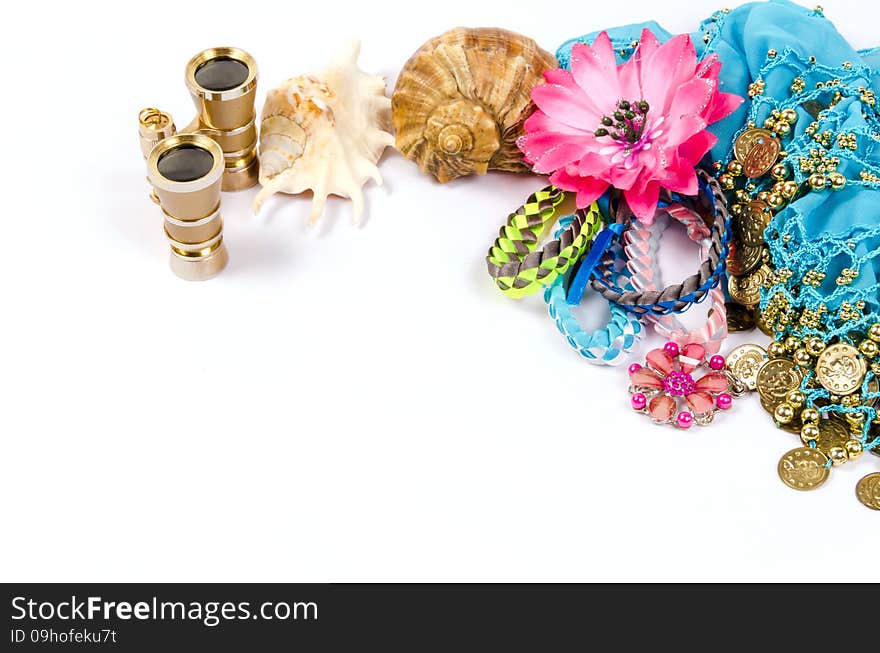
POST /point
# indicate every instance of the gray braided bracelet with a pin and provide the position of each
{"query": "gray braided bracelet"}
(678, 297)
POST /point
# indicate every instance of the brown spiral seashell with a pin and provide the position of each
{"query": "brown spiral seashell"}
(461, 100)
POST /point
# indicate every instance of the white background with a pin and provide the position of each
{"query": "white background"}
(341, 404)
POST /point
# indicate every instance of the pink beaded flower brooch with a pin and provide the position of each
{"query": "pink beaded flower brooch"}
(665, 388)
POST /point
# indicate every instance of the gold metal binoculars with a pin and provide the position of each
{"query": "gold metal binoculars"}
(223, 86)
(186, 172)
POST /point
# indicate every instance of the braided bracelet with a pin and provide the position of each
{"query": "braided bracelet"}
(679, 297)
(641, 244)
(519, 270)
(609, 345)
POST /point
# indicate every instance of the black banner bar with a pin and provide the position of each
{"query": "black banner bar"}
(352, 617)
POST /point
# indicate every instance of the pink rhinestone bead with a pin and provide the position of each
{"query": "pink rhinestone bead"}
(671, 348)
(724, 401)
(716, 362)
(639, 401)
(635, 367)
(684, 420)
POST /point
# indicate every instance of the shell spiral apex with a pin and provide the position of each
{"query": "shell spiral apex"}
(461, 100)
(325, 133)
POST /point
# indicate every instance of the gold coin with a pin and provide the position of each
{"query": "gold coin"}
(803, 468)
(739, 318)
(776, 378)
(744, 362)
(832, 433)
(841, 369)
(742, 259)
(753, 222)
(757, 150)
(747, 289)
(868, 491)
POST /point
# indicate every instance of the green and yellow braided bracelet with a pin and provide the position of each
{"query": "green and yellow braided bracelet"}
(513, 262)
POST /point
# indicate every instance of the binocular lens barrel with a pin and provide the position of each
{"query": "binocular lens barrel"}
(186, 172)
(223, 86)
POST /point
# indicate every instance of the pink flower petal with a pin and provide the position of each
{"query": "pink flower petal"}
(723, 105)
(628, 76)
(593, 164)
(670, 66)
(566, 105)
(693, 97)
(560, 155)
(648, 45)
(624, 178)
(692, 355)
(714, 382)
(680, 176)
(662, 408)
(645, 378)
(643, 203)
(700, 402)
(709, 67)
(588, 189)
(660, 361)
(595, 70)
(696, 147)
(541, 122)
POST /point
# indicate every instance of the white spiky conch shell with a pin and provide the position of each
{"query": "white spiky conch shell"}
(325, 133)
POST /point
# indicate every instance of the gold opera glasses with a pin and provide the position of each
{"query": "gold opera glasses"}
(216, 151)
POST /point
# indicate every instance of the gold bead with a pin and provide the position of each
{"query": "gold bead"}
(869, 348)
(776, 350)
(809, 415)
(789, 189)
(741, 196)
(791, 343)
(769, 123)
(874, 332)
(717, 165)
(795, 398)
(809, 433)
(784, 413)
(837, 455)
(776, 201)
(838, 181)
(779, 171)
(735, 168)
(802, 358)
(738, 209)
(726, 182)
(771, 53)
(764, 196)
(855, 419)
(817, 181)
(778, 188)
(853, 448)
(814, 345)
(782, 128)
(789, 115)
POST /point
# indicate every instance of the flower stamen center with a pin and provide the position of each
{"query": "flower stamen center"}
(627, 123)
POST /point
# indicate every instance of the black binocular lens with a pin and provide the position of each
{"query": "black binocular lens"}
(185, 163)
(221, 74)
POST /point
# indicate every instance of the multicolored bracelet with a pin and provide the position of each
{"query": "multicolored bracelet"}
(513, 262)
(679, 297)
(609, 345)
(640, 246)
